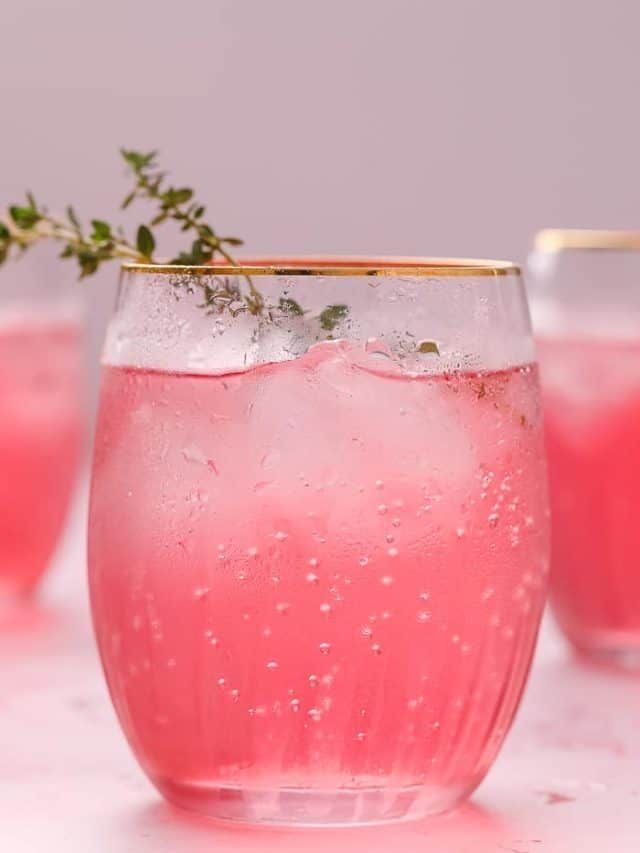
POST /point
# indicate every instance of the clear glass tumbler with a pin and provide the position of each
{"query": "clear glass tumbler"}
(42, 418)
(318, 531)
(585, 293)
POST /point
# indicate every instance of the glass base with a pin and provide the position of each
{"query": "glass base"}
(306, 807)
(613, 657)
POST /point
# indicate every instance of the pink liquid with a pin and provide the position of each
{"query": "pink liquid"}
(316, 586)
(592, 412)
(40, 434)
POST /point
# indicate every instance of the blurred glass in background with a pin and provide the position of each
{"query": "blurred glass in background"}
(585, 300)
(42, 412)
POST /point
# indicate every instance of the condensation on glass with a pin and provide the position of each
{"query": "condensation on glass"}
(318, 531)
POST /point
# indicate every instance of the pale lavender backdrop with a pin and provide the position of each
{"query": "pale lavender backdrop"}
(396, 126)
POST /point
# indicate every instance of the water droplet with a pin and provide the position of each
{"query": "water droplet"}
(312, 577)
(488, 593)
(235, 694)
(366, 631)
(295, 705)
(424, 616)
(379, 484)
(282, 607)
(386, 614)
(396, 522)
(376, 648)
(313, 681)
(335, 592)
(361, 736)
(193, 453)
(455, 638)
(253, 551)
(325, 608)
(315, 714)
(460, 531)
(390, 538)
(386, 580)
(280, 535)
(270, 460)
(313, 562)
(272, 664)
(267, 632)
(423, 596)
(493, 519)
(393, 552)
(382, 509)
(325, 648)
(222, 682)
(201, 591)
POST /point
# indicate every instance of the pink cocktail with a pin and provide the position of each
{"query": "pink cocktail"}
(40, 435)
(586, 309)
(316, 581)
(592, 416)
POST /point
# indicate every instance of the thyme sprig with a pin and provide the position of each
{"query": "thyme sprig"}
(98, 242)
(30, 222)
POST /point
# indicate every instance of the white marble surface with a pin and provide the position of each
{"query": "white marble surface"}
(567, 781)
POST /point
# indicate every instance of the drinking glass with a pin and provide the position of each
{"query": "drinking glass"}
(318, 531)
(42, 416)
(586, 305)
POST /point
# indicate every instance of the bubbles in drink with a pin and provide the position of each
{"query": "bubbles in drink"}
(361, 571)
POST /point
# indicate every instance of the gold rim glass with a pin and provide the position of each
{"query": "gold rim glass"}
(353, 265)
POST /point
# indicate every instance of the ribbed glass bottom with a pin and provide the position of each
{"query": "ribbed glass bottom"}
(310, 807)
(611, 654)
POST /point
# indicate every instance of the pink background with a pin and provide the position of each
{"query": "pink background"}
(387, 126)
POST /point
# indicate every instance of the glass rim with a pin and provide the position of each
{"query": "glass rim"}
(599, 239)
(329, 265)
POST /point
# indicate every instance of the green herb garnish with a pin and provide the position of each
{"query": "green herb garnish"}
(428, 346)
(29, 223)
(332, 315)
(92, 245)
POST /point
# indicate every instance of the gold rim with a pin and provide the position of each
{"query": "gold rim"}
(335, 266)
(557, 239)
